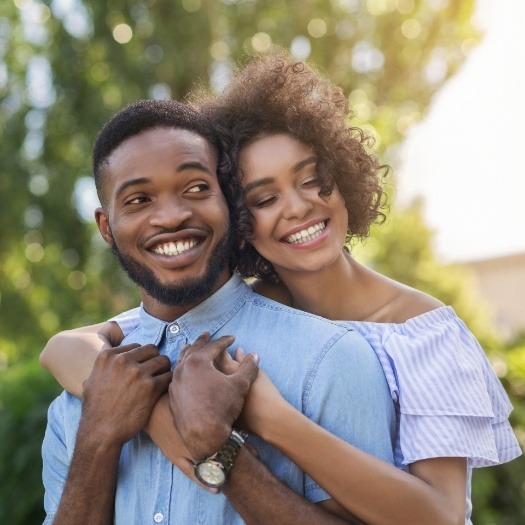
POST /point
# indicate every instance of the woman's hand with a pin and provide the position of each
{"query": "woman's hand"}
(264, 401)
(162, 430)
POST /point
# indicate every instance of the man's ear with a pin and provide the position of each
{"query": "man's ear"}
(103, 225)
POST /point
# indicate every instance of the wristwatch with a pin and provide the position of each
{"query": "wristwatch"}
(213, 470)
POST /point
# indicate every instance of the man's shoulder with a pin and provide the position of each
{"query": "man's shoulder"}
(298, 326)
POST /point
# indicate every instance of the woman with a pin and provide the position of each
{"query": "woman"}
(310, 186)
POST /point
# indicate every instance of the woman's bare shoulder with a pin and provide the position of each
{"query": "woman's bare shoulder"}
(404, 303)
(275, 291)
(409, 303)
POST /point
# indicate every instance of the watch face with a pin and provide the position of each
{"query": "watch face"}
(210, 473)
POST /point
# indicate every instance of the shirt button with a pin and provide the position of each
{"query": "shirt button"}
(174, 329)
(158, 517)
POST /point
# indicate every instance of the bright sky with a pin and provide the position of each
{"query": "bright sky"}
(467, 157)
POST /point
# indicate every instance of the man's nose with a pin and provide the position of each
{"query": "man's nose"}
(295, 205)
(170, 213)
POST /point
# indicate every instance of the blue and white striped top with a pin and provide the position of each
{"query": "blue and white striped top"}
(449, 402)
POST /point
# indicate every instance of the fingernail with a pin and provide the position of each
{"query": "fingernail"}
(256, 357)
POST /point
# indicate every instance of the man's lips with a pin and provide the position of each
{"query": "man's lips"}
(305, 234)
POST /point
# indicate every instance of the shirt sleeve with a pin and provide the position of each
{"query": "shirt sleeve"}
(451, 403)
(128, 321)
(347, 395)
(55, 460)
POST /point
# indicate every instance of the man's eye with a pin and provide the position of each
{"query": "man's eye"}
(137, 200)
(198, 188)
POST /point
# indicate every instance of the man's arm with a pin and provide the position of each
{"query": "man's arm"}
(261, 499)
(118, 397)
(205, 403)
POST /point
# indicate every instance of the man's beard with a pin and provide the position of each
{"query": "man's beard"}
(187, 292)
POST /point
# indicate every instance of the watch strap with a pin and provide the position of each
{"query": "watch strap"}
(227, 453)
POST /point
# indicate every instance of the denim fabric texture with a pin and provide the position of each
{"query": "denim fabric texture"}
(325, 369)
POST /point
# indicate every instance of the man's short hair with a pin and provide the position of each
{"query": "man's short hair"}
(149, 114)
(141, 116)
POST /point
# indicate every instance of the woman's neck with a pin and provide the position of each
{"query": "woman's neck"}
(333, 292)
(349, 291)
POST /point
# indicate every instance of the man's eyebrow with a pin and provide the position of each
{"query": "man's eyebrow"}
(195, 165)
(131, 182)
(269, 180)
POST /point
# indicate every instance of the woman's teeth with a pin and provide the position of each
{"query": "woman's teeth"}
(307, 234)
(174, 248)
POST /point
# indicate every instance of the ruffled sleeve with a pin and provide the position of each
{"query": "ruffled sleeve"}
(449, 400)
(128, 320)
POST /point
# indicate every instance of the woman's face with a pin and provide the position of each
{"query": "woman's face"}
(294, 228)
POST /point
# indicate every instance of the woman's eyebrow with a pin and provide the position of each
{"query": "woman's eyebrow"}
(259, 182)
(269, 180)
(300, 165)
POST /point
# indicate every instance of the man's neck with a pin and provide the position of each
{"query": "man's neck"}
(169, 313)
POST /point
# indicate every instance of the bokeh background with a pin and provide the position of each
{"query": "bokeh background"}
(66, 66)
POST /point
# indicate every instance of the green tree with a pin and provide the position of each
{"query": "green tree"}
(67, 66)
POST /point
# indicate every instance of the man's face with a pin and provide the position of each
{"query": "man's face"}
(165, 217)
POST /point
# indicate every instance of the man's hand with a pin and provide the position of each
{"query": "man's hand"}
(122, 389)
(205, 402)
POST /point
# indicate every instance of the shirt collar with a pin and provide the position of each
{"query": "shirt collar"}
(208, 316)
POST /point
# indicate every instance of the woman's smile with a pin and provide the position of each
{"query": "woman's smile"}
(279, 175)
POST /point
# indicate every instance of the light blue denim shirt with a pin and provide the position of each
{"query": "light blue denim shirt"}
(323, 368)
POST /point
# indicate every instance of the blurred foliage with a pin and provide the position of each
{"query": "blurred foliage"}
(67, 65)
(401, 248)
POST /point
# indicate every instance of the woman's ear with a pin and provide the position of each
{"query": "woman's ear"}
(103, 225)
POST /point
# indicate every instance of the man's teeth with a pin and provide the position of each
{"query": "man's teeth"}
(175, 248)
(307, 234)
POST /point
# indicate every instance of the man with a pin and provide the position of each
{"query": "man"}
(168, 222)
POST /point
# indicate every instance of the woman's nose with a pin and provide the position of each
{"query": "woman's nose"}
(296, 206)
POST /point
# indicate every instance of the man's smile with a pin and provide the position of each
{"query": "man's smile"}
(175, 248)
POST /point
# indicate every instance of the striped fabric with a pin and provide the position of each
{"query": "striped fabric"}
(449, 402)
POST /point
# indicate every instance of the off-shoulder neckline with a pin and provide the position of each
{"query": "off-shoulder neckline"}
(441, 313)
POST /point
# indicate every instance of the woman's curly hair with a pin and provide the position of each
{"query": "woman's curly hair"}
(277, 94)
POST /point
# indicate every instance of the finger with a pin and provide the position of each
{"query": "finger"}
(121, 349)
(247, 372)
(156, 365)
(143, 353)
(226, 364)
(182, 353)
(215, 348)
(239, 354)
(162, 382)
(201, 341)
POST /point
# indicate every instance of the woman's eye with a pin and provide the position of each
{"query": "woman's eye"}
(311, 182)
(264, 201)
(198, 188)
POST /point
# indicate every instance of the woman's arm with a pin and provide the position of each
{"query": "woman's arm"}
(70, 355)
(374, 491)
